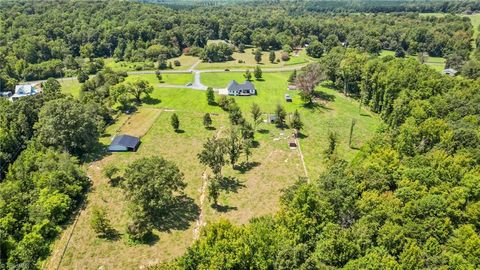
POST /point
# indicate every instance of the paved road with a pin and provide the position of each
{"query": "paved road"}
(191, 70)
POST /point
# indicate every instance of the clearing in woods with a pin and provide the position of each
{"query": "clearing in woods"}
(272, 167)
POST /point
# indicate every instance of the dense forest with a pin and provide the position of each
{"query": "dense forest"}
(342, 5)
(51, 39)
(409, 200)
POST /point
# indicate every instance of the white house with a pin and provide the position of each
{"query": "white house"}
(244, 89)
(23, 90)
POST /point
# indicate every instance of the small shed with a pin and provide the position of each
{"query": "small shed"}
(288, 98)
(124, 143)
(292, 145)
(271, 119)
(450, 71)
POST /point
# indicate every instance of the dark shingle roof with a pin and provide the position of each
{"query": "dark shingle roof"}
(235, 86)
(126, 140)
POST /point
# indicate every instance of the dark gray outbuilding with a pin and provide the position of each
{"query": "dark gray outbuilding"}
(124, 143)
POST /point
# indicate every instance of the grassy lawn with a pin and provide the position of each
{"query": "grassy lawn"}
(185, 63)
(333, 114)
(128, 66)
(177, 78)
(249, 61)
(275, 165)
(70, 86)
(437, 63)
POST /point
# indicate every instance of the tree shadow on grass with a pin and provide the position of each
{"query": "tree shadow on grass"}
(223, 208)
(151, 101)
(111, 234)
(179, 215)
(324, 96)
(263, 131)
(210, 128)
(179, 131)
(246, 166)
(300, 135)
(98, 152)
(255, 144)
(231, 184)
(115, 181)
(314, 106)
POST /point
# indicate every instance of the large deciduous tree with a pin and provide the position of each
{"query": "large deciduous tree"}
(152, 185)
(139, 88)
(213, 154)
(308, 80)
(68, 125)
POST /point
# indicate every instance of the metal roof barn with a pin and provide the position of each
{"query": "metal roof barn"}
(124, 143)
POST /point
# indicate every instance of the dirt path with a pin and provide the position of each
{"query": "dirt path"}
(203, 194)
(201, 221)
(302, 159)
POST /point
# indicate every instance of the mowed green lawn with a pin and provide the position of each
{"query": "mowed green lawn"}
(334, 113)
(186, 62)
(248, 59)
(275, 165)
(174, 79)
(71, 86)
(437, 63)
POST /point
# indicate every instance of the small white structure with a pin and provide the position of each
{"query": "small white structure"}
(24, 90)
(449, 71)
(241, 89)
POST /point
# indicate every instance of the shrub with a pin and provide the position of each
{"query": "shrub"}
(285, 56)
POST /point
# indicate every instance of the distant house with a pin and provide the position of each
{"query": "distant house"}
(241, 89)
(288, 98)
(6, 94)
(24, 90)
(449, 71)
(124, 143)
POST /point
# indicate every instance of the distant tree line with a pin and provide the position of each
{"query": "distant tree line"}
(36, 46)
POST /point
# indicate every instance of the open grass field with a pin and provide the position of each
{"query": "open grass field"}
(437, 63)
(173, 78)
(70, 86)
(274, 166)
(248, 59)
(185, 63)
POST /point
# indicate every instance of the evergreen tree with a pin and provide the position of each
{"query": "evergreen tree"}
(296, 122)
(100, 223)
(207, 120)
(256, 114)
(248, 75)
(292, 77)
(175, 122)
(280, 114)
(158, 74)
(257, 72)
(272, 57)
(258, 56)
(332, 143)
(210, 96)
